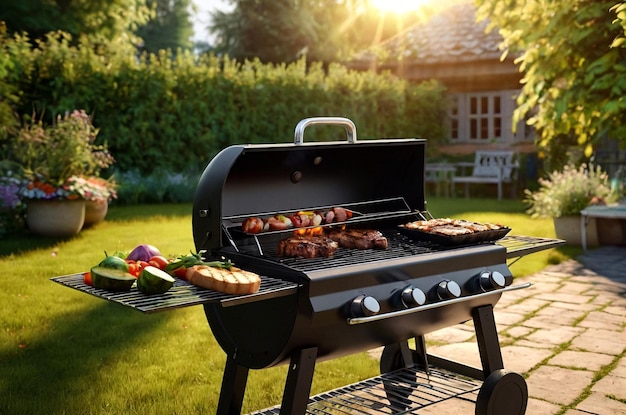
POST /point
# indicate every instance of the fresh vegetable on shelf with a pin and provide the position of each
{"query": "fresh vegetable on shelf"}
(154, 281)
(111, 279)
(143, 252)
(87, 278)
(158, 261)
(113, 262)
(178, 266)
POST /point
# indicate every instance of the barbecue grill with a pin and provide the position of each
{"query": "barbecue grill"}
(313, 309)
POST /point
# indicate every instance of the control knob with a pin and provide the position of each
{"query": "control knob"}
(364, 306)
(412, 297)
(448, 290)
(491, 280)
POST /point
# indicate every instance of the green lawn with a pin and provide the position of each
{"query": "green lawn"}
(65, 352)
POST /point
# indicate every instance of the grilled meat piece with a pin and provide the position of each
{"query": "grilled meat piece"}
(358, 238)
(306, 246)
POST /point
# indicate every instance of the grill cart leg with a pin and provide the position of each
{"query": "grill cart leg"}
(487, 339)
(298, 384)
(502, 392)
(233, 388)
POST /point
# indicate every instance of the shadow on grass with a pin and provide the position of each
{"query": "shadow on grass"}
(147, 212)
(24, 241)
(45, 376)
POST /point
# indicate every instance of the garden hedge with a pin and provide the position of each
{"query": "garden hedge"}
(173, 112)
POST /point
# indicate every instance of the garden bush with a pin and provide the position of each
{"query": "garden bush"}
(168, 112)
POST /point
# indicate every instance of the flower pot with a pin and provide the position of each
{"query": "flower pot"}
(95, 211)
(568, 228)
(59, 218)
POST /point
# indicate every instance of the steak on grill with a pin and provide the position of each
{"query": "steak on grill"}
(307, 246)
(358, 238)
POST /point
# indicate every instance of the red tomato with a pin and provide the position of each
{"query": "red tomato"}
(181, 273)
(87, 279)
(134, 269)
(142, 264)
(158, 261)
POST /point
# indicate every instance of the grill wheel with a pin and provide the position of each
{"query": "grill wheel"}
(503, 392)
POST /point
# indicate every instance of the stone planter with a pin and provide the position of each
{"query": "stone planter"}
(58, 218)
(568, 229)
(95, 211)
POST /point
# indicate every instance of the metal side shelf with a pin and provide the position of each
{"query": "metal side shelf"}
(182, 294)
(403, 391)
(519, 246)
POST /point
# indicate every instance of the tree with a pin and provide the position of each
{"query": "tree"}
(169, 27)
(282, 30)
(574, 68)
(276, 31)
(101, 21)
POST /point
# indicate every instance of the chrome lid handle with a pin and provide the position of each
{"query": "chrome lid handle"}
(344, 122)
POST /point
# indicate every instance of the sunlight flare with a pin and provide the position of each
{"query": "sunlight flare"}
(398, 6)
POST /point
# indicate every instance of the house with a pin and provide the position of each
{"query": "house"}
(455, 49)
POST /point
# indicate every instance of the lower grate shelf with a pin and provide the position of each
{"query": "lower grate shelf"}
(403, 391)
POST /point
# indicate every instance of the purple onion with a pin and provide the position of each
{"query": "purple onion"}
(143, 252)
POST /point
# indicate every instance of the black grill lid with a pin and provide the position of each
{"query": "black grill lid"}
(257, 179)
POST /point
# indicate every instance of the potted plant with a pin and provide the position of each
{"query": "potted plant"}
(60, 166)
(563, 194)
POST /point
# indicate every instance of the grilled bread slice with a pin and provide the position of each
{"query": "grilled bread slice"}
(229, 281)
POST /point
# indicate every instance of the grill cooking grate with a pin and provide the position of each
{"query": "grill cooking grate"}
(398, 246)
(402, 391)
(183, 294)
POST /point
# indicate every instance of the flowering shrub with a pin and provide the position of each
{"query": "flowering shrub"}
(62, 161)
(11, 206)
(569, 191)
(75, 187)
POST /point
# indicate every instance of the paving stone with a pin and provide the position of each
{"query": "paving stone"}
(542, 322)
(602, 320)
(562, 316)
(521, 359)
(611, 385)
(454, 334)
(572, 287)
(576, 412)
(617, 310)
(577, 307)
(558, 385)
(454, 406)
(543, 289)
(565, 297)
(555, 336)
(519, 331)
(599, 404)
(528, 343)
(466, 353)
(504, 318)
(539, 407)
(601, 341)
(581, 360)
(620, 369)
(527, 306)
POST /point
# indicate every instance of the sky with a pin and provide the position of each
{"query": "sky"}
(201, 20)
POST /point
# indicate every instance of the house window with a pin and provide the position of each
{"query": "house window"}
(484, 117)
